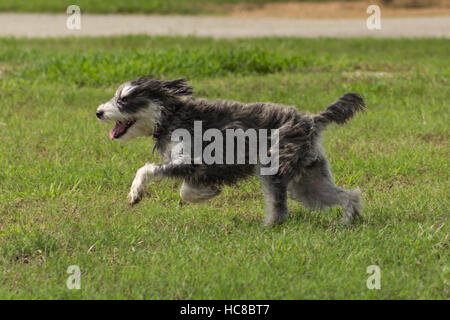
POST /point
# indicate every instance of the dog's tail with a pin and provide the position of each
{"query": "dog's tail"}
(340, 111)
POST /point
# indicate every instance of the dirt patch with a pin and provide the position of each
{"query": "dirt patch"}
(5, 69)
(366, 74)
(435, 138)
(339, 9)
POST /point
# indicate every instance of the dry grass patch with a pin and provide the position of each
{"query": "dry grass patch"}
(338, 9)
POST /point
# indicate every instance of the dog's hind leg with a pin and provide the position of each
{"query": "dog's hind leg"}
(275, 194)
(315, 189)
(197, 193)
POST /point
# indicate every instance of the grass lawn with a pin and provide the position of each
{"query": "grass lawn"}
(135, 6)
(63, 183)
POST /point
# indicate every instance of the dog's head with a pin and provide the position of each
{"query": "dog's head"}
(137, 104)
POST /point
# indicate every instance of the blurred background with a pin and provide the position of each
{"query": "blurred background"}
(227, 18)
(260, 8)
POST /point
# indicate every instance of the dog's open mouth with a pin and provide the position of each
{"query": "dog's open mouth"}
(120, 129)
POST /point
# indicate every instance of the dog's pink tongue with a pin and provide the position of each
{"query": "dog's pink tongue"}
(117, 130)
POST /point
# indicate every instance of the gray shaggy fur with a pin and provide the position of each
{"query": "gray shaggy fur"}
(304, 172)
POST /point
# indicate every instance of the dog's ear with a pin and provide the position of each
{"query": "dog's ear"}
(178, 87)
(155, 87)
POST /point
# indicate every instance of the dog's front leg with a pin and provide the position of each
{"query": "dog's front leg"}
(154, 171)
(143, 176)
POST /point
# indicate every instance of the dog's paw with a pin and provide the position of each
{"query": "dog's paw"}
(273, 220)
(134, 197)
(346, 221)
(350, 221)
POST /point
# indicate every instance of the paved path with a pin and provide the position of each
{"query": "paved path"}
(48, 25)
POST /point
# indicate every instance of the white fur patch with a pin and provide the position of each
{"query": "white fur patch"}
(145, 122)
(126, 90)
(110, 111)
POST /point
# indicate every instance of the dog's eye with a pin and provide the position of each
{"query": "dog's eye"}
(124, 99)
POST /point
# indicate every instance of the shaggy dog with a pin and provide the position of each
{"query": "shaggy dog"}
(150, 107)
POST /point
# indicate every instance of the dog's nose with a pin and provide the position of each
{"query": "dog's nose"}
(99, 114)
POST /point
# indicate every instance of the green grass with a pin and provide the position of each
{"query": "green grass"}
(63, 184)
(133, 6)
